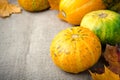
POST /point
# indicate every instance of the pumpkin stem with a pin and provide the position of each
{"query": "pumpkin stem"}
(74, 36)
(62, 15)
(102, 15)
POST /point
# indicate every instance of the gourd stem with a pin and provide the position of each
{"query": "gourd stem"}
(63, 13)
(102, 15)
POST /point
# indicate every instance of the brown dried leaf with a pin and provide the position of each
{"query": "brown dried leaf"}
(54, 4)
(112, 55)
(107, 75)
(6, 8)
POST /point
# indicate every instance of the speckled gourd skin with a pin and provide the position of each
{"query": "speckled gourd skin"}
(34, 5)
(75, 49)
(105, 24)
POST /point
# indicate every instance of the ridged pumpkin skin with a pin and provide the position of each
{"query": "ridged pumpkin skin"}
(34, 5)
(105, 24)
(73, 11)
(75, 49)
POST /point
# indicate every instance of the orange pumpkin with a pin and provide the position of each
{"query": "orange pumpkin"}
(73, 11)
(34, 5)
(75, 49)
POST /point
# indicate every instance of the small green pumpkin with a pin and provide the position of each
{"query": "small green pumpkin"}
(105, 24)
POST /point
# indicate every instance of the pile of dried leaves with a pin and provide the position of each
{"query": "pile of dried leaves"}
(111, 67)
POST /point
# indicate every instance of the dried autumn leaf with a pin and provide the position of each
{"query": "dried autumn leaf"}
(107, 75)
(6, 8)
(54, 4)
(116, 7)
(112, 55)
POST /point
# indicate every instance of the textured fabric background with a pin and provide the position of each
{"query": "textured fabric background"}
(24, 47)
